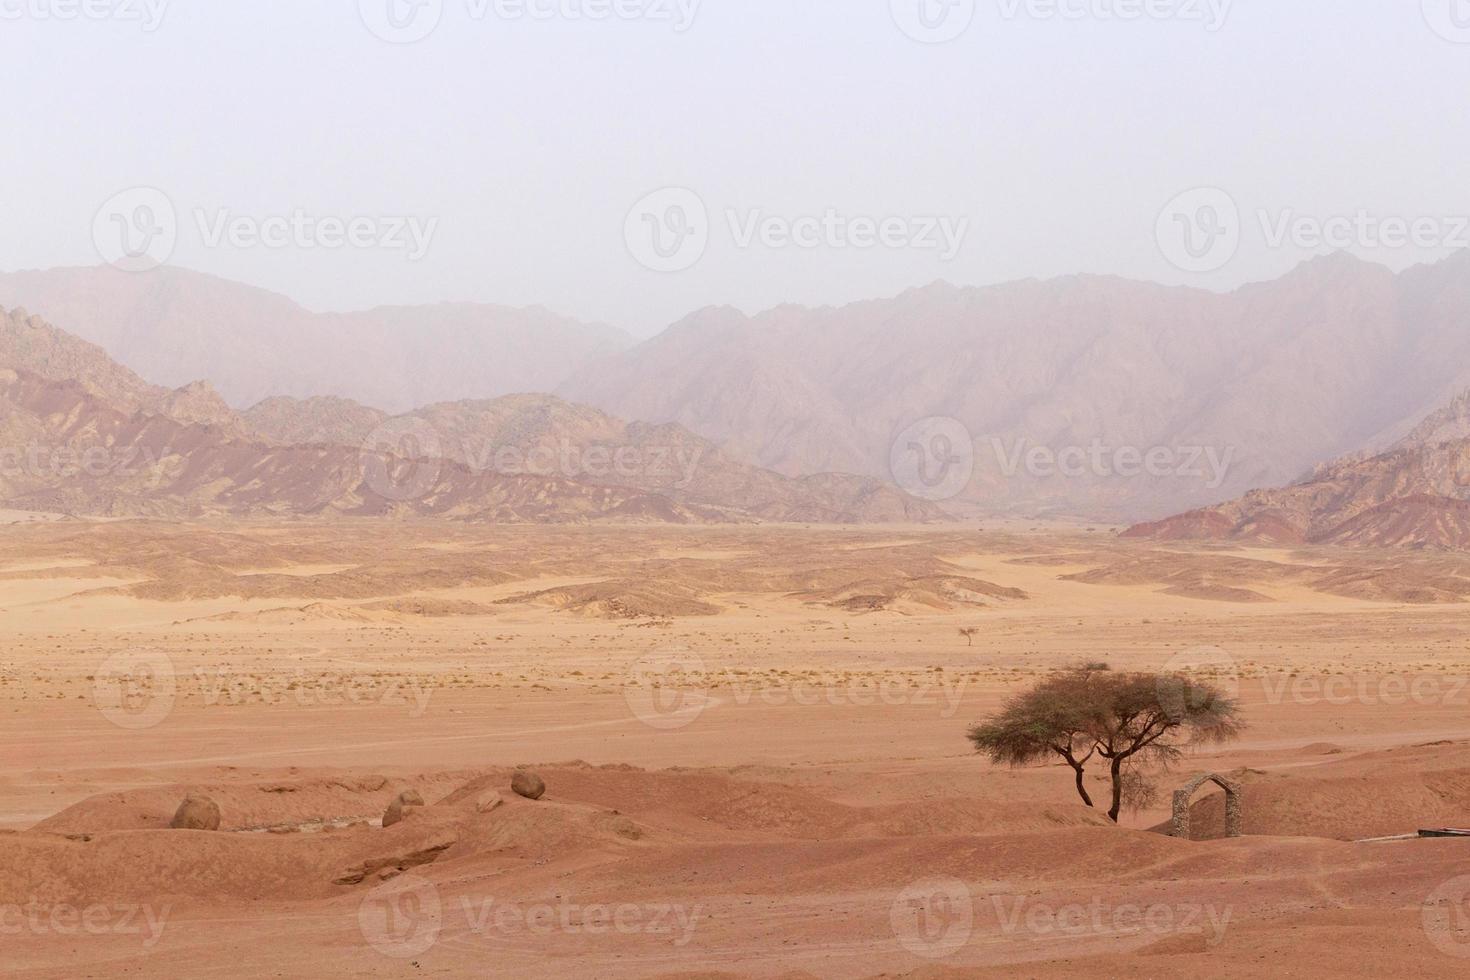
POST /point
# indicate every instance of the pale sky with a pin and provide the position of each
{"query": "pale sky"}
(1045, 138)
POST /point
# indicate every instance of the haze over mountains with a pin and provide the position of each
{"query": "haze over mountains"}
(1417, 494)
(1226, 393)
(1276, 377)
(80, 434)
(174, 326)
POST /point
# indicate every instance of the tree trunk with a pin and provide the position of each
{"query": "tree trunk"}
(1081, 788)
(1117, 770)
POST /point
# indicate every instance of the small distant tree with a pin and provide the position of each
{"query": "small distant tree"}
(1130, 721)
(969, 633)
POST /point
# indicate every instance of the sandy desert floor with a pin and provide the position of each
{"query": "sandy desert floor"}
(753, 742)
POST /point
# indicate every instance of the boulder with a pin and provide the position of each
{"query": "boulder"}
(399, 808)
(528, 784)
(196, 813)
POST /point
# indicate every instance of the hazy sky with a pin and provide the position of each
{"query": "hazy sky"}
(517, 137)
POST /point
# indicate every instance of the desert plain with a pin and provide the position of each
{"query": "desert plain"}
(753, 742)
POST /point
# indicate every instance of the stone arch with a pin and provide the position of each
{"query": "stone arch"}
(1183, 796)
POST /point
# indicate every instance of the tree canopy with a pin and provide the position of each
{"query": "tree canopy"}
(1130, 722)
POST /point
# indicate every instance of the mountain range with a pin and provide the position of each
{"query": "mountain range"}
(1273, 379)
(174, 326)
(80, 434)
(1417, 494)
(1268, 385)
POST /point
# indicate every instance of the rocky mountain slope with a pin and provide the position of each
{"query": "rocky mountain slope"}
(1416, 495)
(66, 446)
(1273, 379)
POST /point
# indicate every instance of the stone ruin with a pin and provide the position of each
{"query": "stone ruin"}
(1233, 823)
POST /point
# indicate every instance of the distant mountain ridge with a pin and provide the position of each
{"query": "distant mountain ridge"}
(176, 326)
(1416, 495)
(1282, 376)
(1338, 359)
(105, 442)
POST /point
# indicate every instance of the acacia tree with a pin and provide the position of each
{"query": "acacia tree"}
(1130, 721)
(968, 632)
